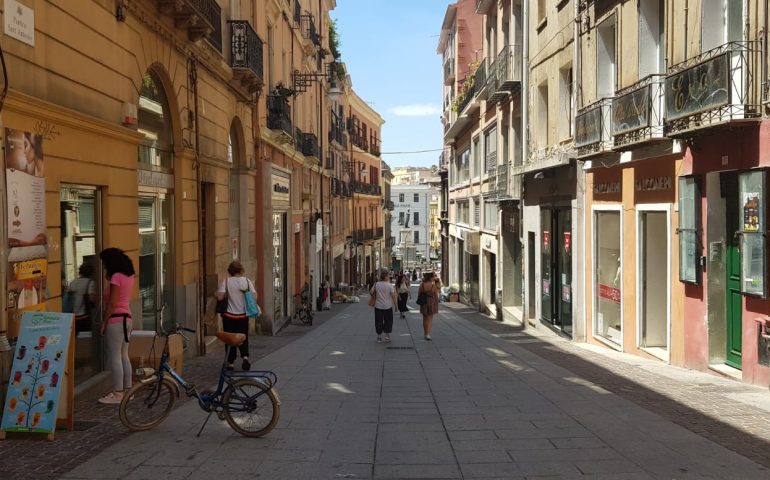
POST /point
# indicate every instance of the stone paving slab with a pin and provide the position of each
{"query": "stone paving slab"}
(477, 402)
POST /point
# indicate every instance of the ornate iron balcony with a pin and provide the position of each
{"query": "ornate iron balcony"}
(198, 17)
(504, 76)
(638, 112)
(246, 51)
(310, 145)
(279, 114)
(593, 129)
(730, 94)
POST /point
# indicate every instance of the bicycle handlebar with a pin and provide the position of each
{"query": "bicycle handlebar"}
(185, 329)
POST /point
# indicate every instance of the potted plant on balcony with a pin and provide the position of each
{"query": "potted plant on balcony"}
(284, 91)
(467, 86)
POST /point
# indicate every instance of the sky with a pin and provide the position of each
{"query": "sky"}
(389, 48)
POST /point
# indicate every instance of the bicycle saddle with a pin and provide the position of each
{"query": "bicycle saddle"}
(233, 339)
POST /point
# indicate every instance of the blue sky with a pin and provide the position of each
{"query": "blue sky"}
(389, 47)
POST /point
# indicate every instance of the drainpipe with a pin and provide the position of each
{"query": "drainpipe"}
(581, 176)
(524, 144)
(193, 79)
(764, 48)
(686, 14)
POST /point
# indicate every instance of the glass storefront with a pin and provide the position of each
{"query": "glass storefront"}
(155, 261)
(279, 266)
(546, 266)
(81, 279)
(607, 275)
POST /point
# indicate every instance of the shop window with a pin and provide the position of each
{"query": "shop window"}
(689, 230)
(156, 150)
(753, 245)
(608, 276)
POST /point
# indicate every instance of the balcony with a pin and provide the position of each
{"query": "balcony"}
(729, 96)
(480, 79)
(449, 70)
(365, 188)
(483, 6)
(198, 17)
(309, 33)
(279, 116)
(593, 128)
(374, 148)
(246, 55)
(638, 112)
(364, 234)
(310, 146)
(504, 76)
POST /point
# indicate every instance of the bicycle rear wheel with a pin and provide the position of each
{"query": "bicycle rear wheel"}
(306, 316)
(251, 409)
(147, 404)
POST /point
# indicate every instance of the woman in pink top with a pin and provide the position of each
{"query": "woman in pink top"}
(116, 323)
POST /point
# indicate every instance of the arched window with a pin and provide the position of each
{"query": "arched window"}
(155, 123)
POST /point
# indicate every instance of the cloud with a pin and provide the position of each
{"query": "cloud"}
(416, 110)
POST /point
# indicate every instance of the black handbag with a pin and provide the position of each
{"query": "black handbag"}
(223, 304)
(422, 299)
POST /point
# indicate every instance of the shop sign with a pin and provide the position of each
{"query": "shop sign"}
(27, 236)
(609, 293)
(588, 127)
(280, 188)
(651, 184)
(19, 22)
(607, 188)
(631, 111)
(148, 178)
(699, 88)
(37, 373)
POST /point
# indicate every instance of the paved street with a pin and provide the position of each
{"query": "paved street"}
(480, 401)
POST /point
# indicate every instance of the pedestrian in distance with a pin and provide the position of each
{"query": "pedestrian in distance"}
(384, 300)
(235, 320)
(427, 298)
(404, 293)
(116, 322)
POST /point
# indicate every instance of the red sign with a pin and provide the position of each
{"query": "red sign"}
(546, 240)
(567, 241)
(610, 293)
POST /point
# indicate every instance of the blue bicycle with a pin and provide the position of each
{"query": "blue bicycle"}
(248, 401)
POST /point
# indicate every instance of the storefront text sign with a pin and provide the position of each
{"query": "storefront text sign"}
(699, 88)
(609, 292)
(607, 188)
(19, 22)
(280, 188)
(652, 184)
(631, 111)
(588, 127)
(148, 178)
(37, 373)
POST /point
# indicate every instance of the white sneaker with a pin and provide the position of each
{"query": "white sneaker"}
(427, 337)
(112, 398)
(379, 339)
(387, 338)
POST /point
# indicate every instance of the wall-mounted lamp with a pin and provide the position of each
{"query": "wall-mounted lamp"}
(303, 81)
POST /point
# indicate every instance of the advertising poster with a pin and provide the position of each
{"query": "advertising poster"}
(27, 241)
(751, 212)
(37, 373)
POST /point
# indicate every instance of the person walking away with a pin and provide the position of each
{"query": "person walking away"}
(326, 293)
(385, 300)
(235, 320)
(403, 290)
(429, 305)
(116, 323)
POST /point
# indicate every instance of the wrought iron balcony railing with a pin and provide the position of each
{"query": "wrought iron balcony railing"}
(728, 95)
(504, 76)
(593, 134)
(198, 17)
(310, 145)
(279, 114)
(638, 112)
(365, 188)
(480, 79)
(308, 29)
(374, 148)
(246, 53)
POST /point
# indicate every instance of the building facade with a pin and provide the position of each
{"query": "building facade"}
(410, 225)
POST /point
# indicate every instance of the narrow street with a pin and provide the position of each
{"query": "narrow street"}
(480, 401)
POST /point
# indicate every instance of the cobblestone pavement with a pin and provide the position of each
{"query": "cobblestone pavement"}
(482, 400)
(725, 411)
(98, 427)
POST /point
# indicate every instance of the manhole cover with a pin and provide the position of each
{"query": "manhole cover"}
(400, 348)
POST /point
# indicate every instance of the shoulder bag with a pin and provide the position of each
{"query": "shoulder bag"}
(252, 308)
(223, 304)
(373, 296)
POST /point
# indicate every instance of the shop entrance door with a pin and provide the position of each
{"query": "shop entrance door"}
(155, 260)
(556, 257)
(653, 278)
(734, 303)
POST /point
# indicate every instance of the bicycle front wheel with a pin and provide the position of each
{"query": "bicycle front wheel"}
(251, 409)
(147, 404)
